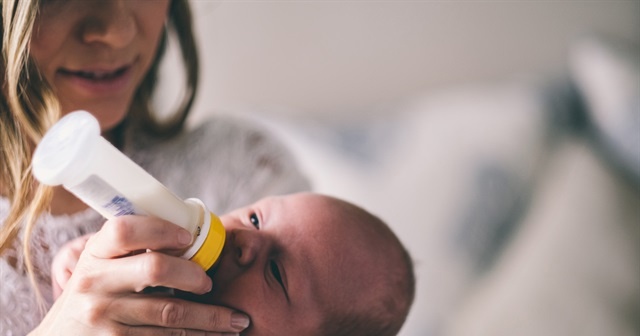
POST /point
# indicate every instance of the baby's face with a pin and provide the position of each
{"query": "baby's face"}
(284, 264)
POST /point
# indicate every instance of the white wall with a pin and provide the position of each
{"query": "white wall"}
(336, 57)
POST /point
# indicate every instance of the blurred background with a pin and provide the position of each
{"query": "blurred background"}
(499, 139)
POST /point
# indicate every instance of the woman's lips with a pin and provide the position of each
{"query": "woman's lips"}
(96, 74)
(98, 82)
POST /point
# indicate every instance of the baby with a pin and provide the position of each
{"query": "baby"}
(308, 264)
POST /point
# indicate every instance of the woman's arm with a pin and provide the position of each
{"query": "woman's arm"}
(103, 295)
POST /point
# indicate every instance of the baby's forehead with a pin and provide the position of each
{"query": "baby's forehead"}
(339, 242)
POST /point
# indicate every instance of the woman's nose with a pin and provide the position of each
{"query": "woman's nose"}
(248, 246)
(113, 24)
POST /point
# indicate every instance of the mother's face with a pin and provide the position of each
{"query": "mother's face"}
(95, 53)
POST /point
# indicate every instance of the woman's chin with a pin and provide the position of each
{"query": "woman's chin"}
(109, 114)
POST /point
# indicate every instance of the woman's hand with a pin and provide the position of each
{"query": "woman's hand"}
(103, 295)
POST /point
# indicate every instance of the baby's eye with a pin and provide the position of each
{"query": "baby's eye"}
(275, 270)
(253, 218)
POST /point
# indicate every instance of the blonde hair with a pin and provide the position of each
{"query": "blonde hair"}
(28, 107)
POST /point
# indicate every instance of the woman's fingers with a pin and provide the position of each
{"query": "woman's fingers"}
(110, 271)
(159, 331)
(137, 272)
(167, 312)
(123, 235)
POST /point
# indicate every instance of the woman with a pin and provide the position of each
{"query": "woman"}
(103, 56)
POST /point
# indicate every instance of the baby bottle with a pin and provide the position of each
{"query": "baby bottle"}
(74, 155)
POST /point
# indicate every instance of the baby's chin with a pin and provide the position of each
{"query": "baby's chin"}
(210, 298)
(200, 298)
(207, 298)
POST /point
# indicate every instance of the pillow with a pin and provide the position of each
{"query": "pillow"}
(607, 76)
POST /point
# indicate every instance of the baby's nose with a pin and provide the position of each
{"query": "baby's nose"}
(248, 244)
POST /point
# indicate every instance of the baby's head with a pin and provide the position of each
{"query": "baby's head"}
(306, 264)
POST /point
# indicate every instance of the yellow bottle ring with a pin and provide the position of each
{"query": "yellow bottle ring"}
(212, 246)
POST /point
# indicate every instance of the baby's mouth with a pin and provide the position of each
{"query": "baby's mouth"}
(96, 75)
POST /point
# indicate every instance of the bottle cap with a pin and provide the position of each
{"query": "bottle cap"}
(64, 151)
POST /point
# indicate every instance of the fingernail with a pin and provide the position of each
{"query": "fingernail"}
(239, 321)
(184, 237)
(209, 285)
